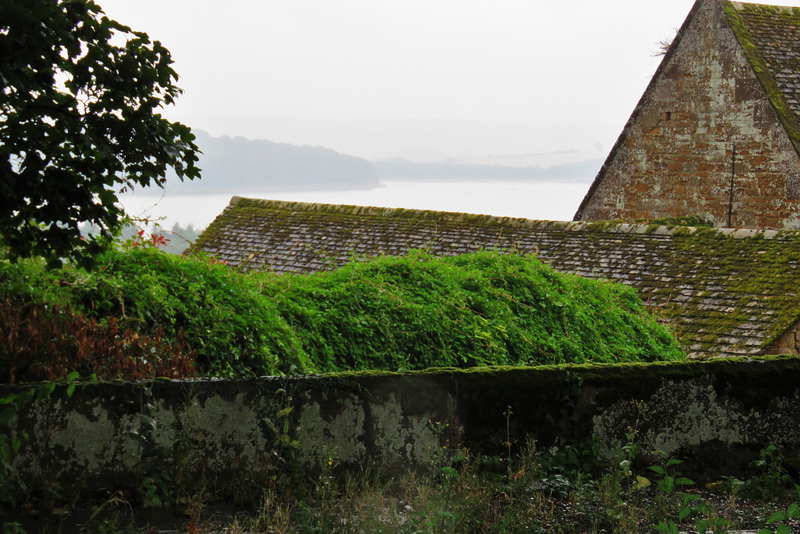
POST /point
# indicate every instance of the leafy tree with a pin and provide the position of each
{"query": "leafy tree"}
(79, 124)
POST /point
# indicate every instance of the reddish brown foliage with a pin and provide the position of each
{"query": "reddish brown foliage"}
(37, 344)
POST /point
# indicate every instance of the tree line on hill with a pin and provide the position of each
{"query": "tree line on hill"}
(404, 169)
(236, 163)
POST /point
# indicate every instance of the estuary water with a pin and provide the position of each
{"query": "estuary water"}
(540, 200)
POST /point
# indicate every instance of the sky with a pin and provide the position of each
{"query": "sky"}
(512, 82)
(289, 70)
(425, 79)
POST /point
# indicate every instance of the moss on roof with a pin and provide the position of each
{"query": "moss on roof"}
(725, 291)
(768, 35)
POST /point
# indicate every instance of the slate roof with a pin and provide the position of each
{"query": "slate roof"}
(770, 36)
(726, 292)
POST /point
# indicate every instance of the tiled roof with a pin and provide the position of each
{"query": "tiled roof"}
(726, 292)
(770, 36)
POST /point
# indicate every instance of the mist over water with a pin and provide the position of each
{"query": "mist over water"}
(539, 200)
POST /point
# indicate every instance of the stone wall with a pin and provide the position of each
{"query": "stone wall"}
(232, 436)
(676, 155)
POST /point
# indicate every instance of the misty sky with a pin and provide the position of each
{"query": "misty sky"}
(493, 77)
(511, 82)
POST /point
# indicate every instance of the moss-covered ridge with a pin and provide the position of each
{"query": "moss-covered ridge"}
(743, 369)
(757, 28)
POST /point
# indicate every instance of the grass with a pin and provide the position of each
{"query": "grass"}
(537, 491)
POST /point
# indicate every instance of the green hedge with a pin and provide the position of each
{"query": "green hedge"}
(485, 308)
(392, 313)
(223, 316)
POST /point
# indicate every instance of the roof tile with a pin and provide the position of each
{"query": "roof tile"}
(724, 291)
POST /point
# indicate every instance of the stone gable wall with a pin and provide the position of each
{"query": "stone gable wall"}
(675, 156)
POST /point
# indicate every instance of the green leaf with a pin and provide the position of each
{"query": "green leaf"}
(690, 497)
(777, 516)
(668, 528)
(666, 485)
(7, 415)
(702, 525)
(45, 390)
(684, 512)
(449, 472)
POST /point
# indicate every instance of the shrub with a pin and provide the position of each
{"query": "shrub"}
(44, 344)
(219, 314)
(486, 308)
(393, 313)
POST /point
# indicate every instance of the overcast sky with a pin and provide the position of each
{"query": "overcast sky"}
(274, 69)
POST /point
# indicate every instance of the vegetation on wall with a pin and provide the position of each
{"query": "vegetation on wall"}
(486, 308)
(223, 319)
(392, 313)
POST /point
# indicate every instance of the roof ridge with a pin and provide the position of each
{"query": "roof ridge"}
(614, 227)
(733, 12)
(411, 213)
(744, 5)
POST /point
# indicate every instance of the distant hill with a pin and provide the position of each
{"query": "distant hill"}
(403, 169)
(239, 164)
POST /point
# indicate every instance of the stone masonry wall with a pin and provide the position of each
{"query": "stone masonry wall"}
(675, 156)
(231, 437)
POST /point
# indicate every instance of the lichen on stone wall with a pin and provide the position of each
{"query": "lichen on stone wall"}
(405, 439)
(704, 420)
(335, 432)
(229, 430)
(89, 441)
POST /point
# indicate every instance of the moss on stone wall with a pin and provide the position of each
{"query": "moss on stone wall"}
(228, 436)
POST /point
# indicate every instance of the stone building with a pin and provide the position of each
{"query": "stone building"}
(715, 138)
(716, 133)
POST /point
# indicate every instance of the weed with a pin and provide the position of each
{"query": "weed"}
(771, 477)
(792, 512)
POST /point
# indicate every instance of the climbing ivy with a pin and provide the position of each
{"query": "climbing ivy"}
(391, 313)
(485, 308)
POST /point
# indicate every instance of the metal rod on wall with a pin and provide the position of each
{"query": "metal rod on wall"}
(733, 174)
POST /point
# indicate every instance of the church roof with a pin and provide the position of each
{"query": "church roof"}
(726, 292)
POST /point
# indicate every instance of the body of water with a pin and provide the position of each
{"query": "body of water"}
(556, 201)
